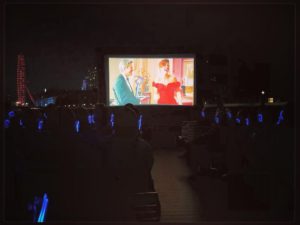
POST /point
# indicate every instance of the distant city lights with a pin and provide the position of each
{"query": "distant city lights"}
(270, 100)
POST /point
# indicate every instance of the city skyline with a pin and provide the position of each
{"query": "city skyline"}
(59, 41)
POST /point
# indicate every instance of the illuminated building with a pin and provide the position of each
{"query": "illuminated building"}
(84, 85)
(44, 102)
(91, 78)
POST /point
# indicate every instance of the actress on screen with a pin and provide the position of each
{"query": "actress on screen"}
(166, 87)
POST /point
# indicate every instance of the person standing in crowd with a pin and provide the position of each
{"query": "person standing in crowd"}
(131, 157)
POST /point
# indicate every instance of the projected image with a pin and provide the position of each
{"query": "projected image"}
(151, 81)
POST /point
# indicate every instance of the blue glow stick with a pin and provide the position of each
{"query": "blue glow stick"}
(40, 124)
(247, 120)
(11, 114)
(217, 120)
(238, 120)
(203, 114)
(229, 115)
(280, 117)
(140, 121)
(43, 211)
(260, 118)
(77, 126)
(112, 120)
(6, 123)
(90, 119)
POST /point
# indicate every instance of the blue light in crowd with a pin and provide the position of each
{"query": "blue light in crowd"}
(280, 117)
(247, 121)
(40, 124)
(140, 122)
(229, 115)
(91, 119)
(203, 114)
(238, 120)
(21, 123)
(45, 115)
(260, 118)
(217, 119)
(43, 211)
(77, 126)
(11, 114)
(112, 120)
(33, 207)
(6, 123)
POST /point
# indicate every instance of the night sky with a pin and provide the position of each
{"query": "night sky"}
(59, 41)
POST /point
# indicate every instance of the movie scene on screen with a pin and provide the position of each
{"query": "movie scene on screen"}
(150, 80)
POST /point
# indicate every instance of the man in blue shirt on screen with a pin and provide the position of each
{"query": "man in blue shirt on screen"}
(122, 89)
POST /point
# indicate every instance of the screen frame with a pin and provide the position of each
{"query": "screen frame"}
(178, 54)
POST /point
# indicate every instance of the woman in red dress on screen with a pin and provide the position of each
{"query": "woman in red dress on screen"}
(167, 88)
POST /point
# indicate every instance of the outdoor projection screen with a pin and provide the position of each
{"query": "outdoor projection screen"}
(150, 80)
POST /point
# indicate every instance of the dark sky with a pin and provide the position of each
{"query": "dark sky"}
(59, 41)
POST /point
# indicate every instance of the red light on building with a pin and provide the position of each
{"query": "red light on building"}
(21, 80)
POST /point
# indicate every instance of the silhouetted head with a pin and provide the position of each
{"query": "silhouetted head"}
(101, 115)
(130, 107)
(126, 121)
